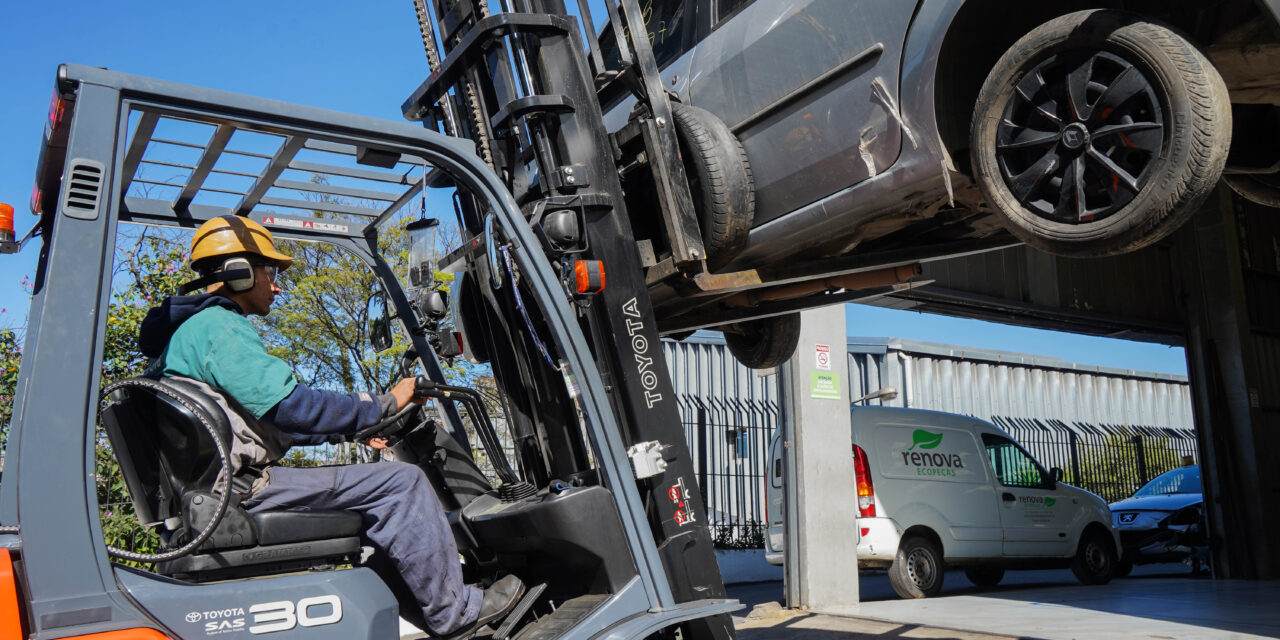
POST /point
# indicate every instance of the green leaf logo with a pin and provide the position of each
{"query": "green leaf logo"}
(1049, 502)
(925, 439)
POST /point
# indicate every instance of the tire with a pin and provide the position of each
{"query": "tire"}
(917, 569)
(1259, 188)
(1127, 172)
(1095, 561)
(720, 182)
(984, 576)
(764, 343)
(1123, 568)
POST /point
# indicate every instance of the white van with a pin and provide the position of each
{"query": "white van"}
(939, 489)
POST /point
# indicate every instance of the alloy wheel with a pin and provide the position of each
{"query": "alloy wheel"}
(1078, 140)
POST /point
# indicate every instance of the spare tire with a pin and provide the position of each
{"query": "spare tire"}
(1098, 133)
(724, 195)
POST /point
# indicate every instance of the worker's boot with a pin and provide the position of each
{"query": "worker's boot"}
(499, 599)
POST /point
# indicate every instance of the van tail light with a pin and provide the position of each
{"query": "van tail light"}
(866, 491)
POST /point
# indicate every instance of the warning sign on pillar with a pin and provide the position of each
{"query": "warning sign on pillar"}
(824, 385)
(823, 354)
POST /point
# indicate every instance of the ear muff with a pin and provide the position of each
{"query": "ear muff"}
(238, 264)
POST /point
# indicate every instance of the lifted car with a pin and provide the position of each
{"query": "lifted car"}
(881, 134)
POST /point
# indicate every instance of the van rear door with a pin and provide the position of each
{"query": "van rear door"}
(1034, 516)
(773, 542)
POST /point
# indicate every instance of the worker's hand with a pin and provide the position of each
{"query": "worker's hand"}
(375, 443)
(403, 393)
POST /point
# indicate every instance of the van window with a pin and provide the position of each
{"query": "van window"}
(1013, 466)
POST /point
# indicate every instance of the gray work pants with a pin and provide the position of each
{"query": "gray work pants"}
(402, 518)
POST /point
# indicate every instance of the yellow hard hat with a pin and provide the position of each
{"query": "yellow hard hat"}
(226, 236)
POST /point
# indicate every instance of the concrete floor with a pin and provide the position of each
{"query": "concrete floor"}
(1160, 602)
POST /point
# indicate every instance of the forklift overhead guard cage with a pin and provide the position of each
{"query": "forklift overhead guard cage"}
(98, 162)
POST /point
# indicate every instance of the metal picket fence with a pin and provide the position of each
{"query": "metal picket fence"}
(729, 442)
(1111, 460)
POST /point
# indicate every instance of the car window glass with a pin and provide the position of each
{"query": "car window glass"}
(668, 23)
(1012, 466)
(1184, 480)
(726, 8)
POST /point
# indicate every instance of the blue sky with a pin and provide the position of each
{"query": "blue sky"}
(363, 58)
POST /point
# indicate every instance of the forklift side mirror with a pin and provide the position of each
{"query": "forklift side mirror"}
(491, 250)
(379, 322)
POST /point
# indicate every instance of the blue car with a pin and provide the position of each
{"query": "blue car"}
(1163, 521)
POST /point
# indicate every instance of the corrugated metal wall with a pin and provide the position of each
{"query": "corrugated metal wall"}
(987, 384)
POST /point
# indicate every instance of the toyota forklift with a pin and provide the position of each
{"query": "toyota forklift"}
(594, 505)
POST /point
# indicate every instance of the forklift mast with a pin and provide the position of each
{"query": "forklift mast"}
(525, 86)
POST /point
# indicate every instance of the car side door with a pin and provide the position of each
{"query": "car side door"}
(1034, 518)
(796, 81)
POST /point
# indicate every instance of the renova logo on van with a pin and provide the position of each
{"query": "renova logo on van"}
(925, 439)
(930, 463)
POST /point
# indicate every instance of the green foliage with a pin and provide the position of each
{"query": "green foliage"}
(147, 272)
(120, 525)
(748, 534)
(1110, 470)
(299, 458)
(10, 358)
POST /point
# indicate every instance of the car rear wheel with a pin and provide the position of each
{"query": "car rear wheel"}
(1095, 559)
(1099, 133)
(984, 576)
(917, 569)
(764, 343)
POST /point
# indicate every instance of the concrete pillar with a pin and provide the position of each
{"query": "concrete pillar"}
(821, 505)
(1229, 281)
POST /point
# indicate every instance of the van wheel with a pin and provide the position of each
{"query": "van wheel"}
(1099, 133)
(724, 195)
(917, 569)
(984, 576)
(764, 343)
(1095, 561)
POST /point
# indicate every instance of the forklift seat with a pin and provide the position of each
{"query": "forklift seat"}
(170, 463)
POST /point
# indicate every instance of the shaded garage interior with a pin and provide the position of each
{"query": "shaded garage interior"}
(1212, 288)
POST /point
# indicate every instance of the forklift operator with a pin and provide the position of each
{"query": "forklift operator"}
(208, 340)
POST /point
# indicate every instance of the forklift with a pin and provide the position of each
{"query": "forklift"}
(596, 507)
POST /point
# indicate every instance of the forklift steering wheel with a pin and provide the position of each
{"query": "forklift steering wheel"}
(390, 425)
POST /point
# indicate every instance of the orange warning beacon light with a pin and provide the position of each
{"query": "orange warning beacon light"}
(6, 223)
(589, 276)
